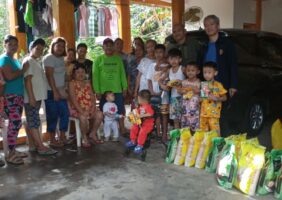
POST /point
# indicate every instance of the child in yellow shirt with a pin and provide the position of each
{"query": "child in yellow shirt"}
(213, 94)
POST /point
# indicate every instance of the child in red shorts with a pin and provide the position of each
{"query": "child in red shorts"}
(139, 133)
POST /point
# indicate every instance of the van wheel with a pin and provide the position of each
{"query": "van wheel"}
(255, 117)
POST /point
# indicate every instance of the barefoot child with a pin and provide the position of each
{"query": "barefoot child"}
(212, 98)
(139, 133)
(191, 100)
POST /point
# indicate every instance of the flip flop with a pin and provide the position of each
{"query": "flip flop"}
(93, 141)
(14, 160)
(56, 144)
(47, 152)
(86, 144)
(21, 154)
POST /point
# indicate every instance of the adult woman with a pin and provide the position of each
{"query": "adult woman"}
(13, 96)
(83, 104)
(56, 104)
(35, 92)
(132, 71)
(69, 59)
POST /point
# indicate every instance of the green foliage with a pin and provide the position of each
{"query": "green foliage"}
(150, 22)
(4, 28)
(94, 50)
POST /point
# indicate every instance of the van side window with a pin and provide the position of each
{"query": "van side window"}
(271, 48)
(246, 42)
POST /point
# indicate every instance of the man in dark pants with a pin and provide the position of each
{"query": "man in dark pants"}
(221, 50)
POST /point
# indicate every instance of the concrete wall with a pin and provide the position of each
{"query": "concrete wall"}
(224, 9)
(245, 11)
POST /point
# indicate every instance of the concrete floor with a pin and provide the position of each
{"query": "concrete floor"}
(102, 172)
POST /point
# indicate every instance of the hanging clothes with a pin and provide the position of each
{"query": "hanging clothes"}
(76, 19)
(108, 19)
(83, 22)
(47, 15)
(101, 22)
(20, 9)
(40, 28)
(28, 16)
(114, 23)
(93, 22)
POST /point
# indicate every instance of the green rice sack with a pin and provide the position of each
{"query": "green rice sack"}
(172, 146)
(227, 166)
(269, 172)
(278, 185)
(212, 160)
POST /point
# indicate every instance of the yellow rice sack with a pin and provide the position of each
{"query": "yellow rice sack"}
(276, 134)
(237, 139)
(206, 145)
(194, 147)
(250, 163)
(183, 145)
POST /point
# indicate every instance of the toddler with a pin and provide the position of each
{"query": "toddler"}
(139, 133)
(111, 117)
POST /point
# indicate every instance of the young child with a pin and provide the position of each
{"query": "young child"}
(175, 74)
(139, 133)
(111, 116)
(190, 97)
(153, 75)
(211, 104)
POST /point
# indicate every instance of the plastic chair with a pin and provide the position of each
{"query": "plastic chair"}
(77, 131)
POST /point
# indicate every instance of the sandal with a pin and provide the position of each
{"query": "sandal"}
(21, 154)
(47, 152)
(14, 160)
(56, 144)
(86, 144)
(96, 141)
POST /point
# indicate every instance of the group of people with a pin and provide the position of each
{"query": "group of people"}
(163, 82)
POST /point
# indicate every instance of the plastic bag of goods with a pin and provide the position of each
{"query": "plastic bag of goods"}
(182, 147)
(249, 166)
(237, 139)
(227, 166)
(212, 159)
(204, 149)
(172, 146)
(276, 134)
(269, 172)
(194, 147)
(278, 185)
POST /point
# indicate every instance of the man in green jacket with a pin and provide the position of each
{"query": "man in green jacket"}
(109, 75)
(189, 47)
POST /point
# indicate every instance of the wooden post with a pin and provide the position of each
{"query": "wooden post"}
(63, 13)
(13, 26)
(178, 7)
(258, 14)
(123, 7)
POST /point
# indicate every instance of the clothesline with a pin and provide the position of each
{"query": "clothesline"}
(93, 3)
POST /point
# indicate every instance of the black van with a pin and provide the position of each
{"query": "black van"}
(259, 75)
